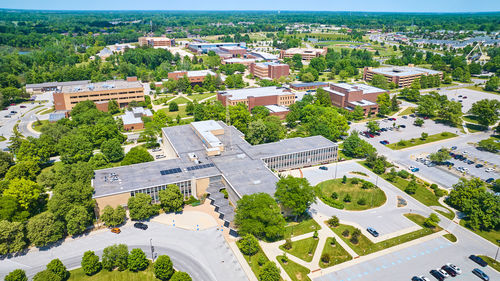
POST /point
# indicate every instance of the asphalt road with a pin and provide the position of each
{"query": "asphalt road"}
(203, 254)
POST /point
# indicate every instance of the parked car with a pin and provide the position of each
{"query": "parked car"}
(489, 170)
(470, 162)
(141, 225)
(372, 231)
(7, 116)
(464, 97)
(453, 147)
(402, 126)
(13, 112)
(478, 260)
(414, 170)
(456, 268)
(449, 270)
(459, 96)
(416, 278)
(479, 165)
(437, 275)
(405, 117)
(490, 180)
(426, 117)
(23, 106)
(323, 168)
(424, 278)
(443, 272)
(115, 230)
(479, 273)
(160, 156)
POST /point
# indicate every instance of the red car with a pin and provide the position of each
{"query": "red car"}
(23, 106)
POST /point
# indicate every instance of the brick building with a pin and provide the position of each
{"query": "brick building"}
(235, 51)
(132, 119)
(245, 62)
(156, 41)
(257, 96)
(308, 86)
(349, 96)
(204, 47)
(305, 53)
(402, 76)
(271, 70)
(197, 76)
(67, 96)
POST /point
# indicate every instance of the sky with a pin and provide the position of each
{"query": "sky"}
(296, 5)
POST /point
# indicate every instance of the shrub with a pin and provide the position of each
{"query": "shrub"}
(434, 186)
(354, 180)
(334, 196)
(367, 185)
(424, 136)
(163, 268)
(333, 221)
(362, 201)
(315, 235)
(403, 174)
(347, 198)
(249, 245)
(58, 268)
(354, 240)
(333, 241)
(325, 258)
(356, 232)
(284, 258)
(445, 134)
(262, 260)
(345, 233)
(344, 179)
(137, 260)
(440, 192)
(412, 187)
(90, 263)
(288, 244)
(432, 221)
(16, 275)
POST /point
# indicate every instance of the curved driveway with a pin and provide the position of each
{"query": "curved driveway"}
(203, 254)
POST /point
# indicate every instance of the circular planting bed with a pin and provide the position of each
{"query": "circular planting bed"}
(351, 194)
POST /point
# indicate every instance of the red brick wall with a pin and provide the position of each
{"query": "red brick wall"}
(222, 99)
(256, 101)
(277, 71)
(137, 126)
(102, 106)
(59, 101)
(176, 75)
(281, 115)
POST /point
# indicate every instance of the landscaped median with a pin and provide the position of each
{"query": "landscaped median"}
(418, 141)
(333, 254)
(364, 246)
(303, 249)
(294, 270)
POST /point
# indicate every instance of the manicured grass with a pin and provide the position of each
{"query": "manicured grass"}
(300, 227)
(407, 111)
(481, 89)
(493, 236)
(173, 114)
(450, 237)
(422, 194)
(2, 138)
(365, 246)
(303, 249)
(253, 261)
(337, 254)
(474, 128)
(470, 119)
(180, 100)
(198, 97)
(374, 197)
(359, 173)
(491, 262)
(449, 215)
(162, 100)
(45, 111)
(37, 125)
(104, 275)
(419, 141)
(295, 271)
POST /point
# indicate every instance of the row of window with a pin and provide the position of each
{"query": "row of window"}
(184, 187)
(106, 94)
(299, 159)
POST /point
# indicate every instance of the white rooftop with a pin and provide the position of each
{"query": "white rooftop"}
(197, 73)
(265, 56)
(134, 116)
(205, 128)
(276, 108)
(404, 71)
(239, 60)
(242, 94)
(367, 89)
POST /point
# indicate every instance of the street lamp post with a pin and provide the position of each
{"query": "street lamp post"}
(152, 249)
(498, 247)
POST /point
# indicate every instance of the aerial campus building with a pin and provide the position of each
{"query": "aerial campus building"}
(156, 41)
(305, 53)
(204, 158)
(348, 96)
(195, 76)
(66, 96)
(252, 97)
(402, 76)
(204, 47)
(271, 70)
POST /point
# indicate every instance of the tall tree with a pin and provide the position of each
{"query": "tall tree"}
(140, 207)
(163, 268)
(295, 194)
(171, 198)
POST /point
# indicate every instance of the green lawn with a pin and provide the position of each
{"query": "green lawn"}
(491, 262)
(253, 261)
(198, 97)
(173, 114)
(2, 138)
(337, 254)
(162, 100)
(295, 271)
(470, 119)
(46, 111)
(365, 246)
(303, 249)
(414, 142)
(493, 236)
(37, 125)
(474, 128)
(450, 237)
(481, 89)
(422, 194)
(407, 111)
(104, 275)
(303, 226)
(374, 197)
(181, 100)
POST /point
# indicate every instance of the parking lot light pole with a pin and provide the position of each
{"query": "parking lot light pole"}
(498, 247)
(152, 249)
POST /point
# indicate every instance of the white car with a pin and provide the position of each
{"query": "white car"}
(454, 267)
(489, 170)
(444, 273)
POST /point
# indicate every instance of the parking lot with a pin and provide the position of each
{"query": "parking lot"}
(471, 96)
(410, 131)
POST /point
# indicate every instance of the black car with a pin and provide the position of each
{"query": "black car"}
(478, 260)
(402, 126)
(437, 275)
(449, 270)
(416, 278)
(479, 165)
(490, 180)
(141, 225)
